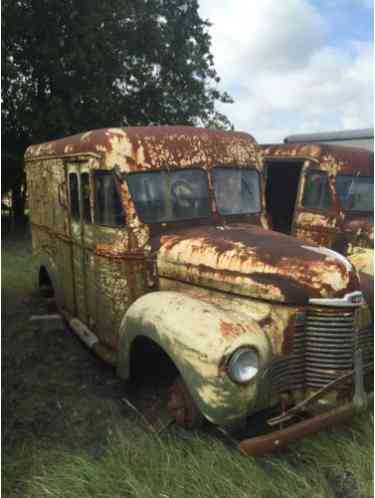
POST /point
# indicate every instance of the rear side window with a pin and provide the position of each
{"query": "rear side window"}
(73, 196)
(108, 207)
(356, 192)
(316, 194)
(85, 195)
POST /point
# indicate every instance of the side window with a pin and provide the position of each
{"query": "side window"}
(73, 196)
(316, 194)
(85, 195)
(108, 207)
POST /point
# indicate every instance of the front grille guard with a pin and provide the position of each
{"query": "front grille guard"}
(323, 350)
(278, 439)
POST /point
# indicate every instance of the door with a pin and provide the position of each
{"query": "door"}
(76, 172)
(283, 177)
(316, 216)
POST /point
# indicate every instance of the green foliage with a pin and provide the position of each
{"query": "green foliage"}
(74, 65)
(79, 64)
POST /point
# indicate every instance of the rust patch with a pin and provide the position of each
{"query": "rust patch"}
(348, 159)
(265, 322)
(231, 329)
(297, 293)
(276, 266)
(288, 339)
(342, 230)
(182, 408)
(367, 287)
(156, 146)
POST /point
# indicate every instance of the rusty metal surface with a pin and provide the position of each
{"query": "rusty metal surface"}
(261, 445)
(349, 233)
(250, 261)
(274, 320)
(118, 262)
(230, 282)
(140, 148)
(298, 408)
(335, 158)
(367, 287)
(182, 408)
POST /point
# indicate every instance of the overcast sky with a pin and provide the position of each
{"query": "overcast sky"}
(293, 66)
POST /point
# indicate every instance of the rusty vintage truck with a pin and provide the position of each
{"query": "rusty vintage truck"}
(324, 194)
(156, 239)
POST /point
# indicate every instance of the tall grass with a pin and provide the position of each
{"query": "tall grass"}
(69, 440)
(185, 465)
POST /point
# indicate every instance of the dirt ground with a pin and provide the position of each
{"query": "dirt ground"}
(55, 391)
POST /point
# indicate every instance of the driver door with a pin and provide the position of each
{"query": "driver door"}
(79, 249)
(316, 217)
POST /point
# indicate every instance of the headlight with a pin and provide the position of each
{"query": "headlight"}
(243, 365)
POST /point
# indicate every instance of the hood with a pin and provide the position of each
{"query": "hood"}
(250, 261)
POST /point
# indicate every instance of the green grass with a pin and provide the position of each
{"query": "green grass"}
(189, 465)
(68, 435)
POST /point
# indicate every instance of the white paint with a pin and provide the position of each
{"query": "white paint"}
(331, 254)
(83, 332)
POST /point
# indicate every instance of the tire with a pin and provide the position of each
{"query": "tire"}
(182, 407)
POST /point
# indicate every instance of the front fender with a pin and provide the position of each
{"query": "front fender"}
(362, 259)
(367, 287)
(198, 337)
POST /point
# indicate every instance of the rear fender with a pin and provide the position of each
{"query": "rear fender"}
(51, 268)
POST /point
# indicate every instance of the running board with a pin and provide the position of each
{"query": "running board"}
(91, 340)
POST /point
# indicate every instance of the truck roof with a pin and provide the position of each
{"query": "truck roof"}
(330, 135)
(136, 148)
(351, 159)
(356, 138)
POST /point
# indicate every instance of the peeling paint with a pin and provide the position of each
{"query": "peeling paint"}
(344, 231)
(200, 289)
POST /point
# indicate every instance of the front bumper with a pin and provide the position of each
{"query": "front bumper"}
(278, 439)
(261, 445)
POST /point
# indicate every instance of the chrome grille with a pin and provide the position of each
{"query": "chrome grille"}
(296, 362)
(329, 345)
(323, 349)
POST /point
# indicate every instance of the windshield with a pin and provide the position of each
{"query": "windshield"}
(356, 192)
(236, 190)
(161, 196)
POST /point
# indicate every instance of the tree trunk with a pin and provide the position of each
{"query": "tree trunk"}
(18, 204)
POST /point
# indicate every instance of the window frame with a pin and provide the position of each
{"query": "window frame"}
(352, 210)
(105, 172)
(238, 167)
(172, 170)
(314, 209)
(83, 206)
(73, 216)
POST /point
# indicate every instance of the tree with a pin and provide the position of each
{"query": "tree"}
(74, 65)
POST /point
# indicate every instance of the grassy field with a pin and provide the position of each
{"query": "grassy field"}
(67, 434)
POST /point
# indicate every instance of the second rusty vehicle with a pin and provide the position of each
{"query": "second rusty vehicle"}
(324, 194)
(155, 243)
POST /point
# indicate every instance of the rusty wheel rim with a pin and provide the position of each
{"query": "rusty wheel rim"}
(182, 407)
